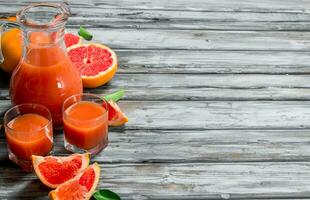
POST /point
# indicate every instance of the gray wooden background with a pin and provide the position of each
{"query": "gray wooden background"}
(217, 97)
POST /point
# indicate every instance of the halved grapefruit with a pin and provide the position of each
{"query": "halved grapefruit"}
(53, 170)
(71, 39)
(96, 63)
(116, 116)
(80, 187)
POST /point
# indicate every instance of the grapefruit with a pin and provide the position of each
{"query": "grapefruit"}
(96, 63)
(71, 39)
(11, 45)
(53, 171)
(116, 116)
(80, 187)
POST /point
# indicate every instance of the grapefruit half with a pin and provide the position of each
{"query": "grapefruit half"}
(53, 170)
(80, 187)
(96, 63)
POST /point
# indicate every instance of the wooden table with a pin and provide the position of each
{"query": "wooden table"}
(217, 96)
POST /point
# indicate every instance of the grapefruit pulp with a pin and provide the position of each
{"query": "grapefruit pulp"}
(80, 187)
(116, 116)
(71, 39)
(96, 63)
(53, 171)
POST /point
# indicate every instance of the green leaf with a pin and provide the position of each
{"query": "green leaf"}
(104, 194)
(115, 96)
(85, 34)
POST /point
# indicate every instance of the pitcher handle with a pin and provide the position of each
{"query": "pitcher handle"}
(4, 27)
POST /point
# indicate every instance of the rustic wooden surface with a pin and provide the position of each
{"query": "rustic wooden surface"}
(217, 96)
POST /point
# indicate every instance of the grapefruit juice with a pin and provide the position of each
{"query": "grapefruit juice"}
(28, 133)
(85, 125)
(45, 76)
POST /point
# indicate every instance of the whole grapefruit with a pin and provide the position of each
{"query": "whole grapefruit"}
(11, 45)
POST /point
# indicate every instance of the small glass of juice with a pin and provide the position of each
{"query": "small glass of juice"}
(29, 131)
(85, 120)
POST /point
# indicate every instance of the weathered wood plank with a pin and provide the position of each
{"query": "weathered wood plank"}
(179, 146)
(299, 6)
(219, 62)
(137, 19)
(201, 40)
(179, 61)
(216, 115)
(210, 87)
(170, 19)
(180, 181)
(168, 87)
(204, 146)
(210, 5)
(201, 115)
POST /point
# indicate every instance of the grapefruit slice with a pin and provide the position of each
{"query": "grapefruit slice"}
(116, 116)
(80, 187)
(71, 39)
(53, 171)
(96, 63)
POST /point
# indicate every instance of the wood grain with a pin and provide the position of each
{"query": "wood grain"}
(181, 181)
(103, 16)
(199, 62)
(210, 87)
(201, 40)
(204, 115)
(203, 146)
(207, 62)
(293, 6)
(188, 20)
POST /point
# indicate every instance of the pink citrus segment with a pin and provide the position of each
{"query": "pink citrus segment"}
(87, 179)
(71, 39)
(96, 63)
(53, 171)
(116, 116)
(81, 187)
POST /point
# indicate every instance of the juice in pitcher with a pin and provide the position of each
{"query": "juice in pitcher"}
(45, 74)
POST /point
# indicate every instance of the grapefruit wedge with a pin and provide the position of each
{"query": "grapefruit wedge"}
(116, 116)
(96, 63)
(71, 39)
(53, 170)
(80, 187)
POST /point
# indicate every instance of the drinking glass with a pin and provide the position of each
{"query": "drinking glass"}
(29, 131)
(85, 118)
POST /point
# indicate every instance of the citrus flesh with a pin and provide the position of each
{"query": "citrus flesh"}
(53, 171)
(80, 187)
(71, 39)
(96, 63)
(116, 116)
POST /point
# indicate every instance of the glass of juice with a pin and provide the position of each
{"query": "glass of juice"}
(85, 119)
(29, 131)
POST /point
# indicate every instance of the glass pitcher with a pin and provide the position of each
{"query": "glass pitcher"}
(45, 74)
